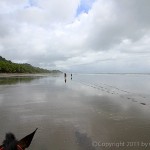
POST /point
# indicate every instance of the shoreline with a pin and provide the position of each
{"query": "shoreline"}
(25, 74)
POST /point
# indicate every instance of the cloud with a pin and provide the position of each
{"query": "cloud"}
(111, 23)
(89, 35)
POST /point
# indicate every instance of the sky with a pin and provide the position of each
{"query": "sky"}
(78, 36)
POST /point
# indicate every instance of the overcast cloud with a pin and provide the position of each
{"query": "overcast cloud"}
(77, 35)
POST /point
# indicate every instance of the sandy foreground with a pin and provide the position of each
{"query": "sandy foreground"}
(74, 114)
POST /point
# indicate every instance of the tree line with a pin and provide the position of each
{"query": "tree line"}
(6, 66)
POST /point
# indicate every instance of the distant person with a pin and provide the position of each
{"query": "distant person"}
(65, 75)
(71, 76)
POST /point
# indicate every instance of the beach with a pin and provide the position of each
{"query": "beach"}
(87, 112)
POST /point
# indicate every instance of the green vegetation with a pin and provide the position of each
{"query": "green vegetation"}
(6, 66)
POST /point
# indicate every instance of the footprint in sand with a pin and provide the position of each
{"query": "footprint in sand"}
(134, 100)
(143, 103)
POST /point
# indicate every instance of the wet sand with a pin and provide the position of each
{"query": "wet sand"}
(85, 113)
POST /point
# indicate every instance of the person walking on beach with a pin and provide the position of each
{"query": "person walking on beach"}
(71, 76)
(65, 75)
